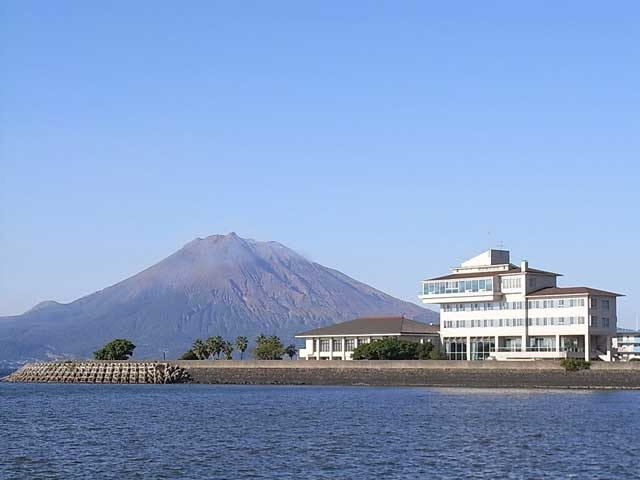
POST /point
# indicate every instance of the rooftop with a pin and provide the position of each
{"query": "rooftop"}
(553, 291)
(374, 326)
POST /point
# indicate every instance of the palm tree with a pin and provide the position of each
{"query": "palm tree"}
(200, 349)
(242, 343)
(215, 345)
(290, 350)
(227, 349)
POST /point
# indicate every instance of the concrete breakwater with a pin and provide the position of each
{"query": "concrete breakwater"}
(100, 372)
(479, 374)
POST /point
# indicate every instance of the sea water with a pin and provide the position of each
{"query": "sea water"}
(51, 431)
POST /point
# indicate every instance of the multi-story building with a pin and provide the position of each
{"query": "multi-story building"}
(627, 344)
(337, 342)
(491, 308)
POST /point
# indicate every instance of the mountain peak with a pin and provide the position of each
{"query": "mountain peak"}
(45, 304)
(218, 285)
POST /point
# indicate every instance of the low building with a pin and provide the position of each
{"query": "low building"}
(491, 308)
(337, 342)
(627, 343)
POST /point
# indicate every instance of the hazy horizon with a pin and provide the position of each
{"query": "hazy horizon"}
(390, 142)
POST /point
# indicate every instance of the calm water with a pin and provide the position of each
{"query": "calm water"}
(228, 432)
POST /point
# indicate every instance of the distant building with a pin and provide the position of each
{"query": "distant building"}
(491, 308)
(627, 342)
(337, 342)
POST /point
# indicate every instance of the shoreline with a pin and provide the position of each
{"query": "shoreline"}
(409, 373)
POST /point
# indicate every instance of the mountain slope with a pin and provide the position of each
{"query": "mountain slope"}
(219, 285)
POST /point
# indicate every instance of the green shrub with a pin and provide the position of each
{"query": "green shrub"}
(188, 355)
(575, 364)
(396, 349)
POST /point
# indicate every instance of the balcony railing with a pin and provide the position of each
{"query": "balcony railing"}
(541, 349)
(517, 348)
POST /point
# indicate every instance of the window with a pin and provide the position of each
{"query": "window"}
(350, 344)
(541, 344)
(605, 304)
(511, 282)
(457, 286)
(324, 344)
(594, 303)
(593, 321)
(481, 347)
(337, 344)
(455, 348)
(605, 322)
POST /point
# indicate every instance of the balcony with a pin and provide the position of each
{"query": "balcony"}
(448, 291)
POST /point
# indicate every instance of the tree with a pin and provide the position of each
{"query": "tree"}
(388, 349)
(425, 351)
(268, 348)
(200, 349)
(290, 350)
(118, 349)
(227, 349)
(188, 355)
(215, 345)
(575, 364)
(242, 343)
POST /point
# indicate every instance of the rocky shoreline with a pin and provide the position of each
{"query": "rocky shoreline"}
(100, 372)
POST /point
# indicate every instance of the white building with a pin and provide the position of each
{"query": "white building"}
(490, 308)
(337, 342)
(627, 344)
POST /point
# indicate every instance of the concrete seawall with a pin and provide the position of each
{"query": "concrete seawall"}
(487, 374)
(415, 373)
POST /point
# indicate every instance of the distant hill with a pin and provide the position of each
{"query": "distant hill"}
(220, 285)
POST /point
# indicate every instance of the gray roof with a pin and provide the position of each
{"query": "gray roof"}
(553, 291)
(375, 326)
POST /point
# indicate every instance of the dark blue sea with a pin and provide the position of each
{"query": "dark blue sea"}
(276, 432)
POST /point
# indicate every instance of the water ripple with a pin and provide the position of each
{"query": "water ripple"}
(262, 432)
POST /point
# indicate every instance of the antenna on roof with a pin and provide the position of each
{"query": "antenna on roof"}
(501, 245)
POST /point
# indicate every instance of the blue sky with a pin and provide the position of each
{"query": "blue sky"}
(390, 140)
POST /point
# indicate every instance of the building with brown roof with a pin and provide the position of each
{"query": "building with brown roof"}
(491, 308)
(337, 342)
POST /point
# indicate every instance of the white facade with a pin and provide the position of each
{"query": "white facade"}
(627, 344)
(341, 347)
(490, 308)
(338, 341)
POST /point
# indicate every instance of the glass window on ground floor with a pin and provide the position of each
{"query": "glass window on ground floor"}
(337, 344)
(482, 347)
(350, 344)
(542, 344)
(325, 346)
(455, 348)
(572, 344)
(509, 344)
